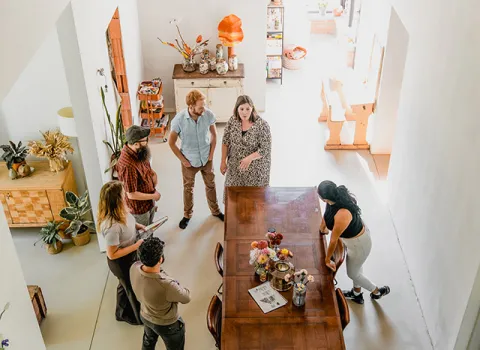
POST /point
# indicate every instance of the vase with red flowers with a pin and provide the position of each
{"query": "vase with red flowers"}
(274, 239)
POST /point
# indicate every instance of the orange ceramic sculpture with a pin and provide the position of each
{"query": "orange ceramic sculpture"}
(230, 32)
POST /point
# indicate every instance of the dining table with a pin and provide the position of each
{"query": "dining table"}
(296, 213)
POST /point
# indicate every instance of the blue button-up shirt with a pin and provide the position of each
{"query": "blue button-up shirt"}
(195, 136)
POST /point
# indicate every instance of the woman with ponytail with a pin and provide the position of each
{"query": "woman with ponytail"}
(343, 217)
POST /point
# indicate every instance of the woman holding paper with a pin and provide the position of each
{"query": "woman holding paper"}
(119, 229)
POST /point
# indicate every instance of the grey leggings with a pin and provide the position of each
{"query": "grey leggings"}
(358, 249)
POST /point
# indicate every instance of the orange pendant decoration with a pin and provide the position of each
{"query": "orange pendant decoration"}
(230, 32)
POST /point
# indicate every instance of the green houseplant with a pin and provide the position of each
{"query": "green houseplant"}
(77, 208)
(50, 237)
(117, 133)
(14, 155)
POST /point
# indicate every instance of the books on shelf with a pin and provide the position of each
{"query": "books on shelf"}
(274, 43)
(267, 298)
(274, 67)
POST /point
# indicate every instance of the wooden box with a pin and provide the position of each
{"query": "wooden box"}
(33, 201)
(38, 302)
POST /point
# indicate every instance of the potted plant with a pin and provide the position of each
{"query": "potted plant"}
(117, 133)
(50, 237)
(322, 7)
(54, 147)
(14, 155)
(76, 210)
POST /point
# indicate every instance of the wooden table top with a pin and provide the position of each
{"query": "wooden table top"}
(179, 73)
(41, 178)
(296, 213)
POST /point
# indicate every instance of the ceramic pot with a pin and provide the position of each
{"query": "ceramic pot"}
(52, 250)
(212, 62)
(204, 67)
(233, 62)
(219, 52)
(81, 238)
(188, 65)
(222, 67)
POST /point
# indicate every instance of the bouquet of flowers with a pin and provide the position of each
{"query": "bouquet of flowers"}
(261, 254)
(274, 238)
(284, 253)
(187, 52)
(299, 279)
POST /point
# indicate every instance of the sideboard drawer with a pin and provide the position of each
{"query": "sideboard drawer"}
(191, 83)
(28, 207)
(220, 83)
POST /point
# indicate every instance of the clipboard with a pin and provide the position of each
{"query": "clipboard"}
(150, 229)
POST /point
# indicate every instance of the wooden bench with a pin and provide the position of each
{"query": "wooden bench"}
(345, 108)
(38, 302)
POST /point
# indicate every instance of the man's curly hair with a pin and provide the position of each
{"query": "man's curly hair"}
(150, 251)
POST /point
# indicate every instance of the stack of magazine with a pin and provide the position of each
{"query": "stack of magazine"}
(267, 298)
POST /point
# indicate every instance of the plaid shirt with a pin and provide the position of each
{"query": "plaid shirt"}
(136, 176)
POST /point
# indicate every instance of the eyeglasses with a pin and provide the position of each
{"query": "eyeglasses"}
(143, 141)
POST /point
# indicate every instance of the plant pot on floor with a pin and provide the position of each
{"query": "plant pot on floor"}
(52, 250)
(81, 238)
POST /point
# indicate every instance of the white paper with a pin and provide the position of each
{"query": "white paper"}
(267, 298)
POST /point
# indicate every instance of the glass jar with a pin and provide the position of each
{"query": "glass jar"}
(280, 270)
(299, 294)
(188, 65)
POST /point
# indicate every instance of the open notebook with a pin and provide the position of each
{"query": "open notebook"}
(150, 229)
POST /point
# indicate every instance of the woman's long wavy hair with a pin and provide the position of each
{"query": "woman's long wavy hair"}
(241, 100)
(111, 208)
(340, 195)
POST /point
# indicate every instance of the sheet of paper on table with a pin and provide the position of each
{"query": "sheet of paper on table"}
(267, 298)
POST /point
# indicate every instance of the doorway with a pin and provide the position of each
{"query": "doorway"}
(117, 68)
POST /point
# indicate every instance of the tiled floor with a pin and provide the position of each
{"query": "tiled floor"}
(80, 293)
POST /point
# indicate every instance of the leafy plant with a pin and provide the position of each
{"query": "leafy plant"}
(14, 153)
(117, 133)
(76, 210)
(49, 233)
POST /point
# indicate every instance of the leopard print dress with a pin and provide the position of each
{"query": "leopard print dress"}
(256, 139)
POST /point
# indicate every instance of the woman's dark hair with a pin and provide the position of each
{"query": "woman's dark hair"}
(150, 251)
(340, 195)
(241, 100)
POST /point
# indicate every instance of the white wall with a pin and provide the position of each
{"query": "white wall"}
(33, 101)
(202, 17)
(19, 323)
(390, 87)
(82, 30)
(434, 167)
(24, 25)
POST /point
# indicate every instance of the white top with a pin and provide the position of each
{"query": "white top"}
(118, 234)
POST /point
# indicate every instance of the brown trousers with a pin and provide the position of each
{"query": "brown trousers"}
(189, 183)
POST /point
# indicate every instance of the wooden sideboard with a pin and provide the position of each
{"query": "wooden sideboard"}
(221, 90)
(33, 201)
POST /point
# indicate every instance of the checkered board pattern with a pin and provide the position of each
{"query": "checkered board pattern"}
(29, 207)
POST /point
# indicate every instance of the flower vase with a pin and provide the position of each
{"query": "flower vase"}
(56, 164)
(188, 65)
(299, 294)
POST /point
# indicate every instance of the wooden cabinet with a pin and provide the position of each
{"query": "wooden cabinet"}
(221, 91)
(35, 200)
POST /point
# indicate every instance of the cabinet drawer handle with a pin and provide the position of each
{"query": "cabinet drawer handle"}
(7, 195)
(225, 82)
(192, 83)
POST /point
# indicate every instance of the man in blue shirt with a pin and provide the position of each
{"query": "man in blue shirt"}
(195, 126)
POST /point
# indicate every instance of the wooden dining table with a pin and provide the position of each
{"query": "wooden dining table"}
(296, 213)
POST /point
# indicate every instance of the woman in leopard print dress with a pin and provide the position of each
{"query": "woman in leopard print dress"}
(246, 147)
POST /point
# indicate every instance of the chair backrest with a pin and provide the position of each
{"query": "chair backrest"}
(339, 255)
(214, 319)
(219, 258)
(343, 308)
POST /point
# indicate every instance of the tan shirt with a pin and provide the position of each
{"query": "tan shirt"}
(158, 294)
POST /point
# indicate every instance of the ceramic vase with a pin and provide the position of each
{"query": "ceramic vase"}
(219, 52)
(204, 67)
(233, 62)
(222, 67)
(212, 62)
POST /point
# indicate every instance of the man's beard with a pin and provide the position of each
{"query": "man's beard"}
(143, 153)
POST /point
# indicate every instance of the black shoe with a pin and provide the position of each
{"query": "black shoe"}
(383, 291)
(220, 216)
(184, 223)
(349, 294)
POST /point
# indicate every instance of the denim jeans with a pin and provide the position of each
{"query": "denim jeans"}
(172, 335)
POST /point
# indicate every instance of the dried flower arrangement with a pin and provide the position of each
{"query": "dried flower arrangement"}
(54, 147)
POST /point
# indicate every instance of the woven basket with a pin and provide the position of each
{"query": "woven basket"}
(293, 64)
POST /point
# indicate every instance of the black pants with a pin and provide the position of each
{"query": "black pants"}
(172, 335)
(128, 307)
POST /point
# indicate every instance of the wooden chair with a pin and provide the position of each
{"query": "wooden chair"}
(343, 308)
(214, 320)
(339, 256)
(218, 258)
